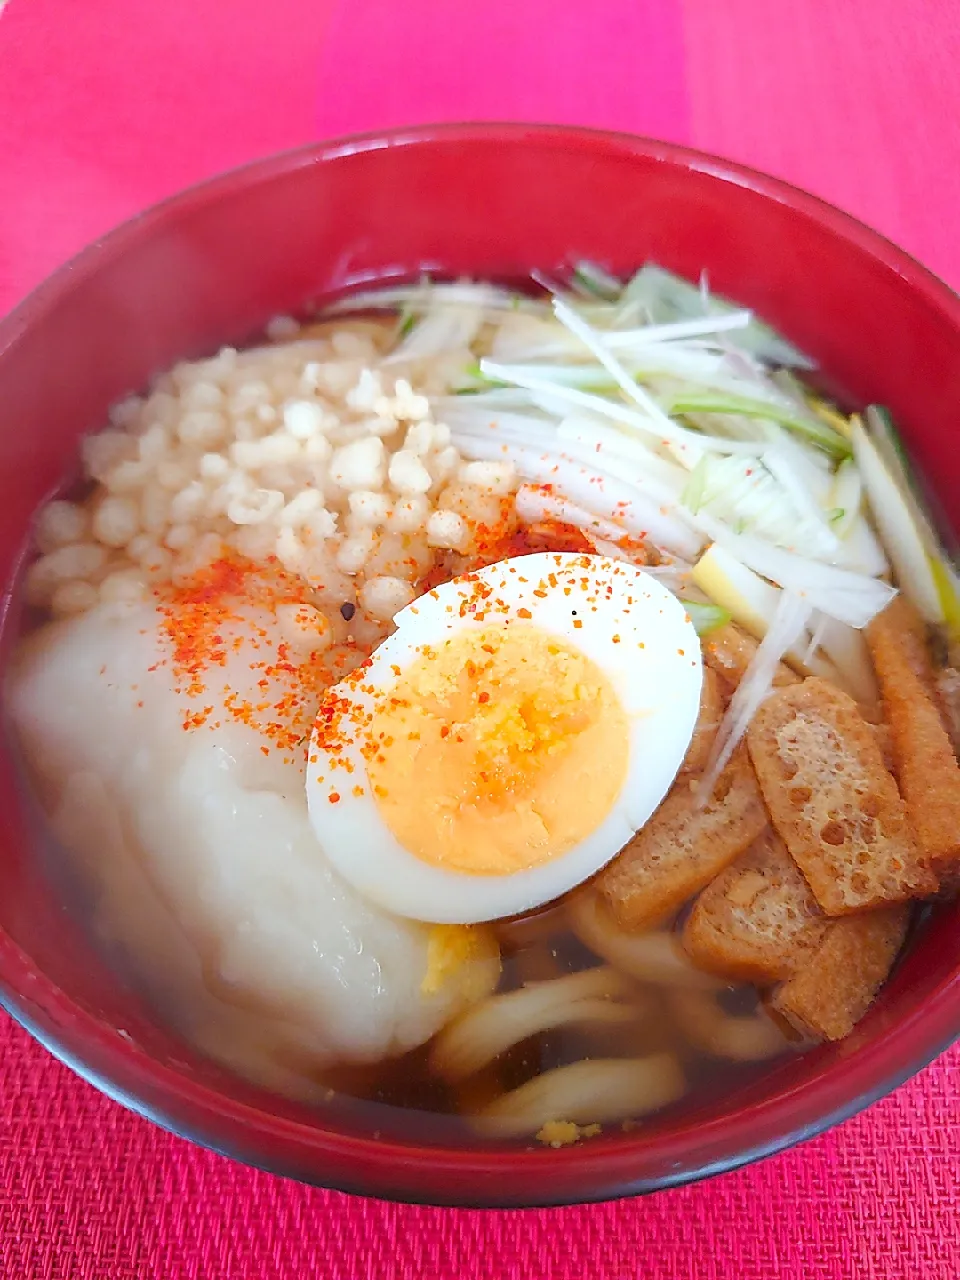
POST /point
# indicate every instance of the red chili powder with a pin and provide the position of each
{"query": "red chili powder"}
(194, 618)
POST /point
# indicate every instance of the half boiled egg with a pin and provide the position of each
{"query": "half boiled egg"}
(512, 735)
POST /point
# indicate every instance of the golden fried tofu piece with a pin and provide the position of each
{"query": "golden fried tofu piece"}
(924, 760)
(834, 988)
(947, 684)
(832, 801)
(881, 732)
(684, 846)
(729, 651)
(708, 722)
(758, 921)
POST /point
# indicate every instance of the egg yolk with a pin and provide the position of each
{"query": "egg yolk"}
(498, 751)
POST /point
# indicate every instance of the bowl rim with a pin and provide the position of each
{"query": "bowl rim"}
(613, 1167)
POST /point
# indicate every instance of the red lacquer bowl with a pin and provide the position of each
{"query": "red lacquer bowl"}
(210, 267)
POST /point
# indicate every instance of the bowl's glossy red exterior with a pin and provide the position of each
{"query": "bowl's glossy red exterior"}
(210, 267)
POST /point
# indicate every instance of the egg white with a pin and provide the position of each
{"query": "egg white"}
(655, 669)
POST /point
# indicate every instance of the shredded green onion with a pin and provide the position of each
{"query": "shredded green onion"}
(705, 617)
(597, 282)
(664, 296)
(696, 487)
(674, 411)
(886, 437)
(818, 432)
(946, 584)
(477, 382)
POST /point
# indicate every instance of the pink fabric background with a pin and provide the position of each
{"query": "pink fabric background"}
(108, 105)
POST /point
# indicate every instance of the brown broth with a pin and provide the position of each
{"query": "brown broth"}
(408, 1086)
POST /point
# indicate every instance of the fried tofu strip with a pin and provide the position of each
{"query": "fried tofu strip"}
(923, 755)
(728, 651)
(758, 921)
(835, 987)
(885, 742)
(832, 801)
(948, 698)
(684, 846)
(708, 722)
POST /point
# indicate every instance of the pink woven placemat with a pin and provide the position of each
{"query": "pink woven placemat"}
(108, 105)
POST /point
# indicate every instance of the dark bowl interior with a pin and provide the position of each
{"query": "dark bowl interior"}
(210, 267)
